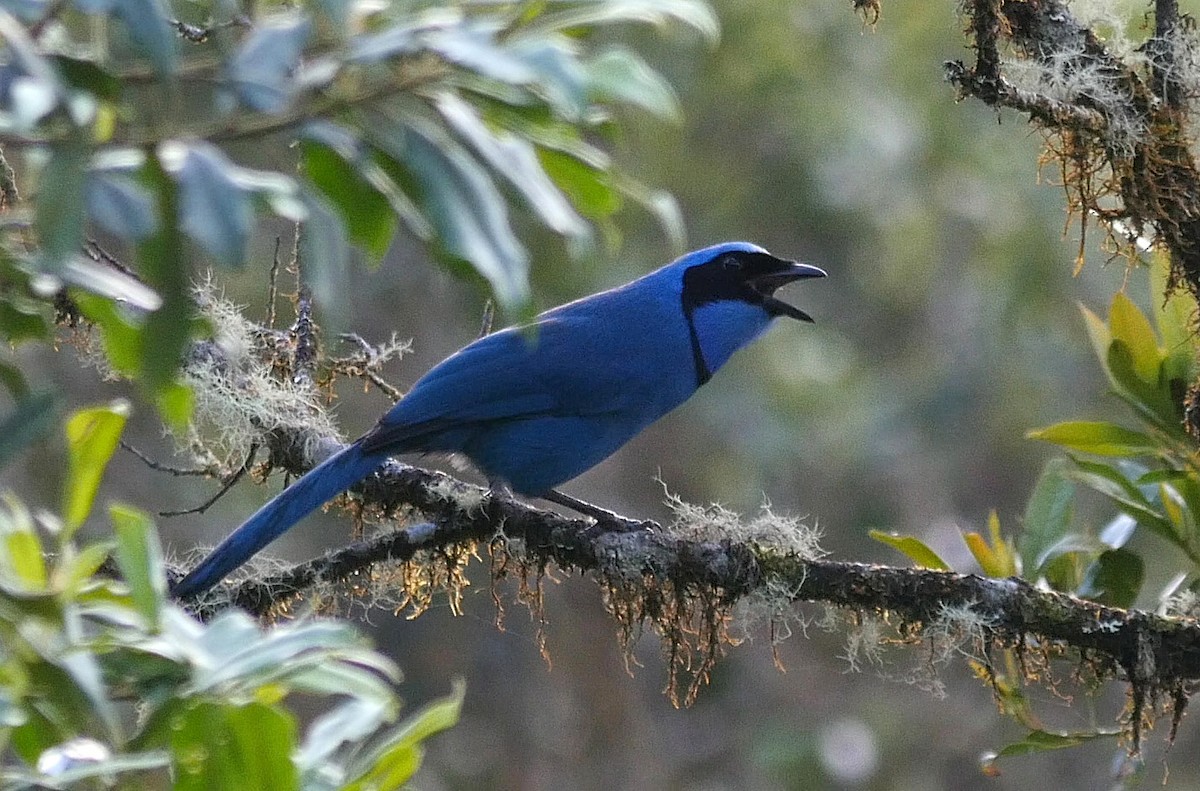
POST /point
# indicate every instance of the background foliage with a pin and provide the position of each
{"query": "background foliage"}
(504, 143)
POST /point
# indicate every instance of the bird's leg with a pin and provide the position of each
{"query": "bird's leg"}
(589, 509)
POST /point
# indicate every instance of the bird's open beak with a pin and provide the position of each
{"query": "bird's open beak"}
(767, 284)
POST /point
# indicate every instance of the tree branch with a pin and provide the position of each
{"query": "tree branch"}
(1119, 128)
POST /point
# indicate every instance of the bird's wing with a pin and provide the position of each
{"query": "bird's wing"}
(505, 376)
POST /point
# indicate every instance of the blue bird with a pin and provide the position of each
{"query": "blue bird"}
(532, 407)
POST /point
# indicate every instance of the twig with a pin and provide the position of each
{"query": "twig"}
(367, 363)
(489, 315)
(9, 196)
(273, 284)
(198, 35)
(160, 467)
(225, 487)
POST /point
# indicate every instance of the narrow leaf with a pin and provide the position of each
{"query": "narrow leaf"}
(1100, 337)
(150, 30)
(1100, 438)
(59, 208)
(22, 558)
(140, 558)
(234, 747)
(1047, 515)
(168, 329)
(1129, 325)
(214, 207)
(324, 253)
(1042, 741)
(1115, 578)
(262, 69)
(465, 209)
(914, 548)
(92, 436)
(516, 160)
(32, 419)
(619, 75)
(398, 757)
(365, 211)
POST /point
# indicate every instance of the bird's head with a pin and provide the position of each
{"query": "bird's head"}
(741, 272)
(728, 298)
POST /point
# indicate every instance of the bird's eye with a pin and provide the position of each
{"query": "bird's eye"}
(730, 263)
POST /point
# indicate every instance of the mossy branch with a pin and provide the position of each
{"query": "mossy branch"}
(1157, 656)
(1117, 115)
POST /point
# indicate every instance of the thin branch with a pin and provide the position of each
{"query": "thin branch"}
(160, 467)
(228, 484)
(367, 363)
(273, 284)
(489, 316)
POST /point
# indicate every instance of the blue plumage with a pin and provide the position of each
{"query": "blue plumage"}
(534, 407)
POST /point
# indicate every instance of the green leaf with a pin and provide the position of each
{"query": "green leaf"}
(1080, 544)
(22, 320)
(366, 212)
(1148, 399)
(215, 209)
(175, 403)
(661, 205)
(87, 75)
(1114, 578)
(30, 421)
(168, 329)
(59, 208)
(151, 32)
(22, 558)
(110, 283)
(1130, 326)
(12, 380)
(234, 747)
(619, 75)
(119, 332)
(262, 70)
(1047, 515)
(1099, 438)
(120, 205)
(1043, 741)
(1174, 307)
(694, 13)
(397, 758)
(1100, 337)
(914, 548)
(92, 436)
(1113, 484)
(561, 79)
(516, 160)
(473, 45)
(590, 188)
(102, 772)
(324, 253)
(467, 212)
(350, 722)
(140, 558)
(241, 655)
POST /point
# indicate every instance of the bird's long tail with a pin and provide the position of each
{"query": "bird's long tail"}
(323, 482)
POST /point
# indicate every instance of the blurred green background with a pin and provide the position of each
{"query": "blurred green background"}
(947, 328)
